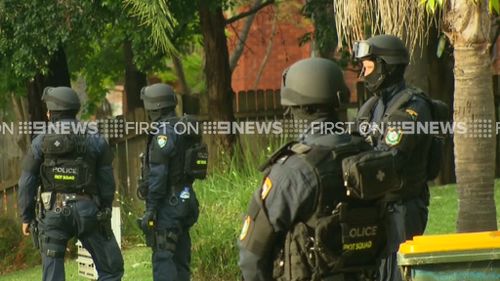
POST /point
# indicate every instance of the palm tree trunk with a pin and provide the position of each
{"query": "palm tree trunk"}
(474, 151)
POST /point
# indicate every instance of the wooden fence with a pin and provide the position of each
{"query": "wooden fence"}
(251, 105)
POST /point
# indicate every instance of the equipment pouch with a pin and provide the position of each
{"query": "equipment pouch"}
(104, 219)
(34, 232)
(65, 175)
(370, 175)
(196, 162)
(302, 258)
(363, 235)
(46, 200)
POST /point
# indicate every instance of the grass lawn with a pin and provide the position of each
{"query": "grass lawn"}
(224, 199)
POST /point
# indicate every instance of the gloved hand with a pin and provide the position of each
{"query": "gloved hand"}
(148, 220)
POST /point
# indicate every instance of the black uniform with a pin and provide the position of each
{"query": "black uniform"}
(72, 196)
(289, 232)
(408, 207)
(172, 200)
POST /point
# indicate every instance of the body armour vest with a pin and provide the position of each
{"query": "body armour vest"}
(342, 234)
(68, 167)
(425, 166)
(190, 159)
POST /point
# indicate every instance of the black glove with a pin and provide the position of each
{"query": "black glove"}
(148, 220)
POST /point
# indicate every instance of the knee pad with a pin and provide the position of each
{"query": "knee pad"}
(52, 247)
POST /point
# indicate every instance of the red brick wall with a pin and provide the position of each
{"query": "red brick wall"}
(285, 48)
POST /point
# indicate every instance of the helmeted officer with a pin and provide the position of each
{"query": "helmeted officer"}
(384, 59)
(171, 204)
(76, 192)
(292, 229)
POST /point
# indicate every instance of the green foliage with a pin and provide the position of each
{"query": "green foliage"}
(494, 6)
(432, 5)
(158, 17)
(193, 70)
(325, 34)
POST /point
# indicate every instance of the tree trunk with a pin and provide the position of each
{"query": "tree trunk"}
(58, 75)
(473, 103)
(218, 77)
(134, 80)
(242, 38)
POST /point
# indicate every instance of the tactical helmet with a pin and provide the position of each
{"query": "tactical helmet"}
(312, 81)
(60, 99)
(389, 48)
(158, 96)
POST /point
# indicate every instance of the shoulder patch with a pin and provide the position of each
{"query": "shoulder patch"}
(162, 140)
(245, 228)
(393, 136)
(266, 188)
(412, 113)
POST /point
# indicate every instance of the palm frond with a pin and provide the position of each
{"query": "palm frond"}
(407, 19)
(156, 15)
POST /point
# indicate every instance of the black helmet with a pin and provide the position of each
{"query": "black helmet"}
(61, 99)
(158, 96)
(313, 81)
(389, 48)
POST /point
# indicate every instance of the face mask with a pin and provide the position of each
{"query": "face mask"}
(374, 80)
(154, 115)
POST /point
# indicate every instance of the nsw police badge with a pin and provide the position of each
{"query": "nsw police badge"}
(393, 136)
(162, 140)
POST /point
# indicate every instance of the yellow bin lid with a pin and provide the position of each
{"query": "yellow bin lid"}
(450, 248)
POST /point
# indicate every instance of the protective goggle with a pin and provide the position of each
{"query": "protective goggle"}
(361, 49)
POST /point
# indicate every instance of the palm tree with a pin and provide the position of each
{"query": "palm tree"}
(469, 32)
(466, 24)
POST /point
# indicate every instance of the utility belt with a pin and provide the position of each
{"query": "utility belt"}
(52, 201)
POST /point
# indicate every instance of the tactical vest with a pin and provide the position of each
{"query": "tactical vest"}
(342, 234)
(429, 168)
(68, 166)
(190, 160)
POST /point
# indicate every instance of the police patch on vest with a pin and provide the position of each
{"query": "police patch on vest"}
(162, 140)
(412, 113)
(393, 136)
(266, 188)
(246, 226)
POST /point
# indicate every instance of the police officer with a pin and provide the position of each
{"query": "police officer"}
(289, 232)
(171, 204)
(76, 192)
(384, 59)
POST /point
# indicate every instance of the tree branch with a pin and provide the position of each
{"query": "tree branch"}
(249, 12)
(238, 51)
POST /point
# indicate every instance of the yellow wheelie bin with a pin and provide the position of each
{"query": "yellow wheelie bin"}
(451, 257)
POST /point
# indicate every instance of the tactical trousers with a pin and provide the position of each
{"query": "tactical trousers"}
(171, 265)
(405, 220)
(77, 219)
(172, 253)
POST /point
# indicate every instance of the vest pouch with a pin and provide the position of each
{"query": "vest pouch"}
(328, 245)
(196, 162)
(363, 237)
(302, 258)
(58, 145)
(65, 175)
(370, 175)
